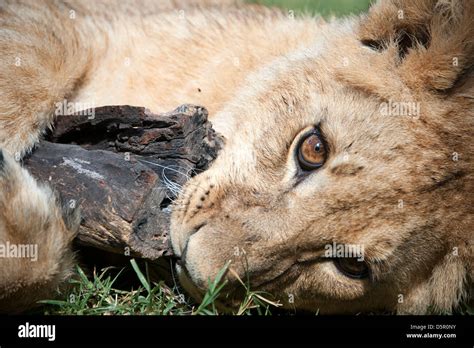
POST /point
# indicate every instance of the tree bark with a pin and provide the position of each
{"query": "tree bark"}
(124, 165)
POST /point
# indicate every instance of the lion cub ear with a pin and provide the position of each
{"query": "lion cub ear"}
(430, 43)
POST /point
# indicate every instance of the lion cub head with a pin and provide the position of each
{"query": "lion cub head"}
(346, 181)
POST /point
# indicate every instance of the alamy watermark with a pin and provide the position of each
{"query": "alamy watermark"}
(24, 251)
(344, 251)
(66, 107)
(28, 330)
(399, 108)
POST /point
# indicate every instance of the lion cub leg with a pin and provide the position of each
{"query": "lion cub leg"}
(35, 237)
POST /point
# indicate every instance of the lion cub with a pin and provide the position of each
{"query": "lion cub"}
(346, 180)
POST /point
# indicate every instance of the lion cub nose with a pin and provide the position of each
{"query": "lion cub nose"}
(181, 257)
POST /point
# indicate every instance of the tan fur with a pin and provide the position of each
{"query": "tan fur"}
(266, 78)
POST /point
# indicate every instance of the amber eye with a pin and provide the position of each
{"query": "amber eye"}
(352, 267)
(311, 152)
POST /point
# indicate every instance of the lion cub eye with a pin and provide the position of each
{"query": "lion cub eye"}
(352, 267)
(311, 151)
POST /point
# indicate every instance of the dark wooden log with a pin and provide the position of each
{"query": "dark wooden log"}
(118, 163)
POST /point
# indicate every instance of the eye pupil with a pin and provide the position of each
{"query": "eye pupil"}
(311, 151)
(352, 267)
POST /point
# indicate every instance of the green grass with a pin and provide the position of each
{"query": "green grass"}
(325, 8)
(98, 295)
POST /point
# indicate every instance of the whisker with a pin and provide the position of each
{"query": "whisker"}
(173, 189)
(166, 167)
(177, 287)
(171, 186)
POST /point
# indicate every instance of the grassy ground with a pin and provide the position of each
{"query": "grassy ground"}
(98, 294)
